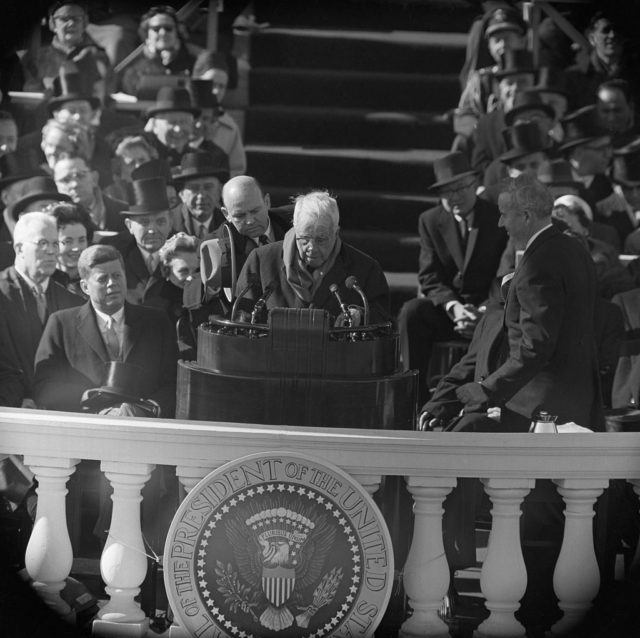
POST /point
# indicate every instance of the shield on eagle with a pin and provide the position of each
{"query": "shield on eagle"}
(278, 584)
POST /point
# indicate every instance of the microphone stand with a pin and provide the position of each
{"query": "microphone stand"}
(352, 282)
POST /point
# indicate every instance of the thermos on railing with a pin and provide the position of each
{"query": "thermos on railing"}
(543, 423)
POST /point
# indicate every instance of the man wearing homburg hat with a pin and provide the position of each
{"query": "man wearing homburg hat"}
(460, 249)
(149, 224)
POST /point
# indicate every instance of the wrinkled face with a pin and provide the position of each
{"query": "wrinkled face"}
(150, 231)
(605, 40)
(55, 146)
(162, 34)
(459, 197)
(248, 211)
(38, 256)
(315, 241)
(131, 158)
(73, 178)
(73, 240)
(220, 81)
(106, 286)
(8, 137)
(614, 111)
(173, 129)
(513, 221)
(510, 85)
(201, 197)
(69, 23)
(527, 164)
(592, 158)
(183, 267)
(502, 41)
(79, 111)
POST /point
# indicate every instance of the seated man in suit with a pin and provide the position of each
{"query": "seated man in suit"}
(460, 249)
(78, 343)
(301, 269)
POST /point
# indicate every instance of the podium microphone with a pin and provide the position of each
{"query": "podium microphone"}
(252, 280)
(352, 283)
(333, 288)
(262, 302)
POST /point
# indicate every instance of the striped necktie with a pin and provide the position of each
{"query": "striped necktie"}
(111, 340)
(41, 302)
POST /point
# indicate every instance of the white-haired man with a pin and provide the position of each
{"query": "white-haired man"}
(302, 267)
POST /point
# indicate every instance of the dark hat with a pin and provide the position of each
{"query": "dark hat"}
(202, 94)
(503, 19)
(523, 139)
(515, 62)
(198, 164)
(582, 126)
(148, 196)
(171, 99)
(152, 168)
(208, 60)
(121, 383)
(17, 166)
(33, 189)
(450, 168)
(557, 173)
(551, 80)
(527, 101)
(626, 167)
(70, 85)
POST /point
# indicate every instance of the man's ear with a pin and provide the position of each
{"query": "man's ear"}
(267, 200)
(225, 212)
(127, 223)
(84, 287)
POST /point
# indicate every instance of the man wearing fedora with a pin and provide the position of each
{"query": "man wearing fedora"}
(149, 224)
(171, 125)
(29, 293)
(199, 185)
(79, 345)
(460, 249)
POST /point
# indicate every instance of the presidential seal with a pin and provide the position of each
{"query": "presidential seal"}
(278, 544)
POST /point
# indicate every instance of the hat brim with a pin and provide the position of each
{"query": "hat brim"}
(516, 153)
(14, 210)
(134, 211)
(505, 26)
(185, 177)
(56, 102)
(579, 141)
(151, 112)
(503, 73)
(510, 116)
(453, 178)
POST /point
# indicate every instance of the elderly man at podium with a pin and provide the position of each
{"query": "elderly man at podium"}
(313, 268)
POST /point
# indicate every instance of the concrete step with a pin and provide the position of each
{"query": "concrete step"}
(403, 51)
(436, 92)
(301, 168)
(356, 128)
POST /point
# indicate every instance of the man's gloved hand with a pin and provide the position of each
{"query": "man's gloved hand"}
(429, 423)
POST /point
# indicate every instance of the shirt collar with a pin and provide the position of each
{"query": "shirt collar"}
(116, 317)
(43, 285)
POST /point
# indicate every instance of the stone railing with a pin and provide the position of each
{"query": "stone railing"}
(508, 464)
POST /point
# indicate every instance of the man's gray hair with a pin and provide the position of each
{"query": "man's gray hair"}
(528, 194)
(23, 230)
(316, 206)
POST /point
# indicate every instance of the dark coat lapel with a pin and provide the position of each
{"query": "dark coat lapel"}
(132, 330)
(336, 275)
(451, 236)
(89, 331)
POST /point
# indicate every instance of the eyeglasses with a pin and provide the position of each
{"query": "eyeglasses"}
(74, 19)
(43, 244)
(447, 193)
(73, 177)
(169, 28)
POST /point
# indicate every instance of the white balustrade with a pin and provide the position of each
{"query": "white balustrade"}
(576, 578)
(426, 572)
(503, 580)
(123, 564)
(370, 482)
(49, 556)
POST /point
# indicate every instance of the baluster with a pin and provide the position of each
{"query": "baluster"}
(123, 564)
(426, 572)
(576, 578)
(370, 482)
(49, 556)
(503, 580)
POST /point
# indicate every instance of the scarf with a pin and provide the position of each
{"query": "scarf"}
(303, 282)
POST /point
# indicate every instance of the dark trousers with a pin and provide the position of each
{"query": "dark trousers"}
(421, 324)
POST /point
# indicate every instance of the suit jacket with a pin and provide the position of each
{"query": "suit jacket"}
(266, 263)
(446, 273)
(24, 327)
(549, 318)
(71, 357)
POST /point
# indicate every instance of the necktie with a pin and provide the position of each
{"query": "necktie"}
(263, 240)
(202, 231)
(464, 231)
(111, 340)
(152, 262)
(41, 302)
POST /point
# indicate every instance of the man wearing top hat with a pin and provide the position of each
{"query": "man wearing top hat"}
(460, 249)
(199, 185)
(216, 125)
(149, 224)
(171, 125)
(79, 345)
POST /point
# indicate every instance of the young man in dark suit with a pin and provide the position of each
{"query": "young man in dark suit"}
(460, 249)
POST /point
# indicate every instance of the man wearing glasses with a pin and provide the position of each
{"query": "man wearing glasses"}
(29, 293)
(460, 249)
(68, 22)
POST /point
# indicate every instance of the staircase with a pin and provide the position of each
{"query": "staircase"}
(351, 97)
